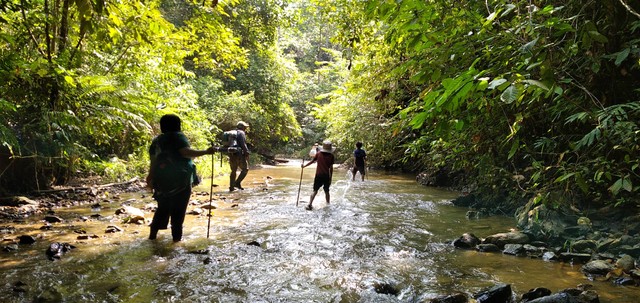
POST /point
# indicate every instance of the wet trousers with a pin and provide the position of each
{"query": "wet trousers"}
(237, 160)
(172, 207)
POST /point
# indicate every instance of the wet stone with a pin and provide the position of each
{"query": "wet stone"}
(575, 257)
(584, 246)
(20, 287)
(46, 227)
(113, 229)
(52, 219)
(7, 229)
(497, 293)
(562, 297)
(455, 298)
(597, 267)
(26, 239)
(386, 288)
(488, 248)
(466, 241)
(549, 256)
(514, 250)
(624, 281)
(536, 293)
(11, 247)
(254, 243)
(589, 296)
(87, 237)
(56, 250)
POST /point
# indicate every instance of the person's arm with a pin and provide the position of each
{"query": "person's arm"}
(242, 142)
(152, 158)
(189, 152)
(333, 159)
(309, 163)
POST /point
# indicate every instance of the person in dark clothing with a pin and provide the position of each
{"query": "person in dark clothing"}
(359, 161)
(239, 157)
(171, 175)
(324, 171)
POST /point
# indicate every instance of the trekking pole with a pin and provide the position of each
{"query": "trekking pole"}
(210, 196)
(300, 185)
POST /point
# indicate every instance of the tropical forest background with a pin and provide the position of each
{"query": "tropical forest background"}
(511, 100)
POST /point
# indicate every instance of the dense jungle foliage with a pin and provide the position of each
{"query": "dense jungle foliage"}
(520, 99)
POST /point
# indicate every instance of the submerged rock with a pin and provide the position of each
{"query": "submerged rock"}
(500, 293)
(52, 219)
(466, 241)
(386, 288)
(533, 294)
(254, 243)
(589, 296)
(26, 239)
(56, 250)
(455, 298)
(556, 298)
(488, 248)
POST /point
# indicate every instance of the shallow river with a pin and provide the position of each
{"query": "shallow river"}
(385, 230)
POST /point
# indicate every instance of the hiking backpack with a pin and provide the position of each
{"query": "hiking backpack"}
(229, 138)
(170, 174)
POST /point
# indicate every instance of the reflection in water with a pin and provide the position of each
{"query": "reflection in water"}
(386, 230)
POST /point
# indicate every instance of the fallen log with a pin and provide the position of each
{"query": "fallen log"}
(73, 189)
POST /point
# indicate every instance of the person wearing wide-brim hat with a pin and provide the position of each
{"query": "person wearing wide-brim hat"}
(239, 158)
(324, 171)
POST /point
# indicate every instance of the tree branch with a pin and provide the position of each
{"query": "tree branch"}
(629, 8)
(118, 60)
(28, 26)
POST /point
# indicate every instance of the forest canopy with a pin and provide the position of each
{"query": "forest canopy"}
(514, 99)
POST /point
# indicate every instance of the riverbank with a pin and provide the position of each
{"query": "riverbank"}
(604, 241)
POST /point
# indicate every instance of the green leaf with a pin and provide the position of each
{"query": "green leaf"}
(509, 95)
(615, 188)
(496, 82)
(514, 148)
(598, 37)
(622, 55)
(626, 184)
(564, 177)
(483, 84)
(528, 48)
(536, 83)
(558, 90)
(582, 184)
(418, 120)
(70, 81)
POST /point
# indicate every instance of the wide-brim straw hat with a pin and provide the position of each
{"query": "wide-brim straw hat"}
(327, 147)
(242, 125)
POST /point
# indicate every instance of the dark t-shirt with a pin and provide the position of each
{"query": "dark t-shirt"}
(359, 154)
(325, 162)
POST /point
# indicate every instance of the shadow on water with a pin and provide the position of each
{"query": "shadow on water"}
(386, 230)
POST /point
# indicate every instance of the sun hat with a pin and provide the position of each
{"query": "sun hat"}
(327, 147)
(242, 125)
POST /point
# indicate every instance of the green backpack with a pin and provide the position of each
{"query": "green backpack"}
(171, 172)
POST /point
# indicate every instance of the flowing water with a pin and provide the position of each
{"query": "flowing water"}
(387, 230)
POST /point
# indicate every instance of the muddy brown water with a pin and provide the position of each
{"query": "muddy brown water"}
(386, 230)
